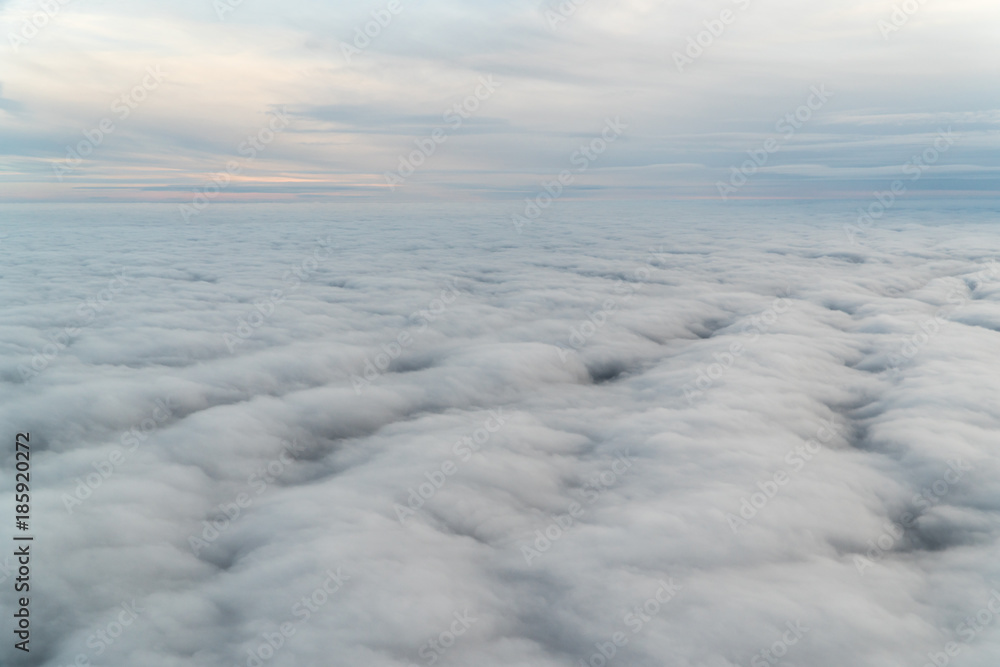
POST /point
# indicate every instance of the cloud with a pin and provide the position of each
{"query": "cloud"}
(394, 436)
(8, 104)
(354, 117)
(375, 120)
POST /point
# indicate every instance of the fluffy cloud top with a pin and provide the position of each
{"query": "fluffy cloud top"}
(403, 436)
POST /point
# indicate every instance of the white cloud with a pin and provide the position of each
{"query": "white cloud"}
(316, 468)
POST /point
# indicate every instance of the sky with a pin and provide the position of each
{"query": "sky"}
(251, 100)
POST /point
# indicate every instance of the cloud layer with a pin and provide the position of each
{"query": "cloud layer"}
(397, 436)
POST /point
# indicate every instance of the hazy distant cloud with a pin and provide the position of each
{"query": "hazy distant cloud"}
(375, 120)
(352, 113)
(8, 104)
